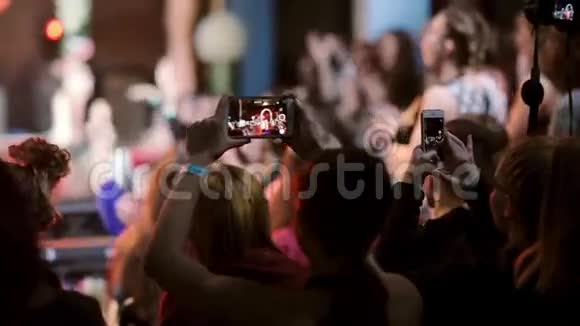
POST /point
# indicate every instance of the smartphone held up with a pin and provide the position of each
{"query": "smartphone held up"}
(261, 117)
(432, 129)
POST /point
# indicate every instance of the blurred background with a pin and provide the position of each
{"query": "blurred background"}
(101, 77)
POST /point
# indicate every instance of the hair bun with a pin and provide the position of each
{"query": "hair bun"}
(38, 154)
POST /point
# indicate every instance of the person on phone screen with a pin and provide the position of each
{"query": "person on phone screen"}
(266, 122)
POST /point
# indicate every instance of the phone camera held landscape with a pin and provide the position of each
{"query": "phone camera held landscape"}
(259, 118)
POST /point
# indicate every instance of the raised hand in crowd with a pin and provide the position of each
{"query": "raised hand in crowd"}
(458, 165)
(422, 163)
(207, 140)
(303, 141)
(243, 301)
(447, 253)
(321, 47)
(326, 54)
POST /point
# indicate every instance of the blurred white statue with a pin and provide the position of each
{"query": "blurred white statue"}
(158, 139)
(180, 19)
(100, 131)
(70, 101)
(167, 83)
(62, 130)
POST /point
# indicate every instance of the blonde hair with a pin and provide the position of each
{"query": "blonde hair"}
(231, 216)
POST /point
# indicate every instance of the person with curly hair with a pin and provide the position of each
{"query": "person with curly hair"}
(38, 167)
(32, 294)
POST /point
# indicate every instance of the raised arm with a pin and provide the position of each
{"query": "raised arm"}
(325, 95)
(185, 278)
(396, 244)
(206, 141)
(322, 49)
(180, 19)
(170, 235)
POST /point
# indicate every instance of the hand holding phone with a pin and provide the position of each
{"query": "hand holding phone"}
(459, 157)
(207, 139)
(432, 129)
(260, 117)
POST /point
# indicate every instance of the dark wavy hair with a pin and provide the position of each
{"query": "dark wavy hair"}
(26, 210)
(38, 167)
(405, 80)
(471, 34)
(19, 250)
(334, 218)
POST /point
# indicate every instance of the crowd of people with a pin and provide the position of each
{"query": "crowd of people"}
(349, 221)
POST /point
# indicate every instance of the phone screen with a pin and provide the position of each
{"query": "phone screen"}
(564, 10)
(259, 118)
(433, 132)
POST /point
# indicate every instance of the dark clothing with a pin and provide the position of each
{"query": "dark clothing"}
(530, 307)
(451, 260)
(266, 266)
(67, 308)
(357, 299)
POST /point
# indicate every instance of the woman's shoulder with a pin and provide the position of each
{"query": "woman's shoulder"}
(78, 301)
(405, 305)
(401, 287)
(439, 90)
(69, 308)
(441, 97)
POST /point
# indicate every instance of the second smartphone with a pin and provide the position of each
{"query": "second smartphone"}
(432, 129)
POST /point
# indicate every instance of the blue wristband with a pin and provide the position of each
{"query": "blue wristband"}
(196, 170)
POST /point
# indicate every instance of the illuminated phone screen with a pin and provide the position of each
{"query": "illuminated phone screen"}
(259, 118)
(564, 10)
(433, 132)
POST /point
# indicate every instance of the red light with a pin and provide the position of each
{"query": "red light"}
(54, 30)
(4, 4)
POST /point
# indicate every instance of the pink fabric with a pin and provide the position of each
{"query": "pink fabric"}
(142, 156)
(286, 241)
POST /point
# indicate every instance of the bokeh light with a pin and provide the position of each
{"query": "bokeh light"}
(54, 30)
(4, 5)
